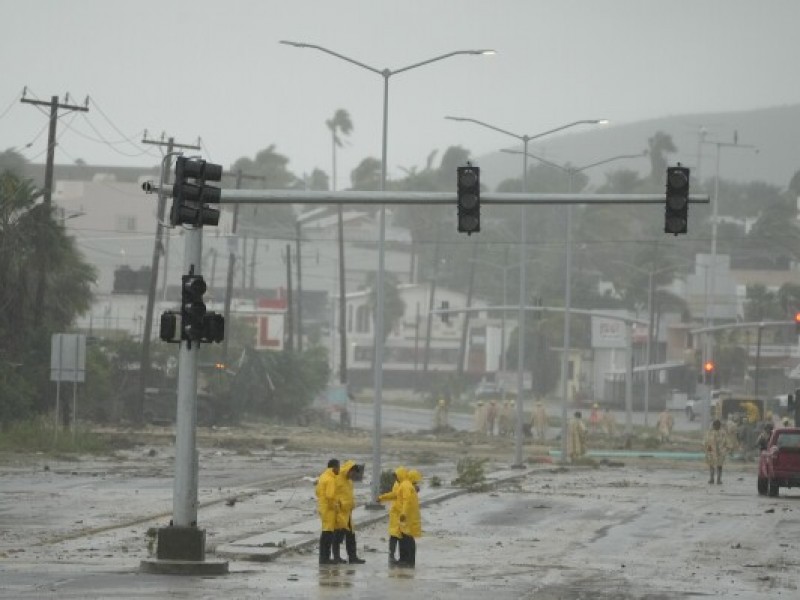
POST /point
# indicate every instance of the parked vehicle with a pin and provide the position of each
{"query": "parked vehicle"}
(779, 464)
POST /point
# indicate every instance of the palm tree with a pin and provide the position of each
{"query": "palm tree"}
(393, 305)
(340, 123)
(29, 234)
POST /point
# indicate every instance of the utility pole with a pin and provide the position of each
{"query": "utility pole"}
(240, 176)
(158, 250)
(54, 105)
(298, 257)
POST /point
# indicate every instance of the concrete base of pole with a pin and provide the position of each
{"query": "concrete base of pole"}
(518, 466)
(182, 551)
(181, 543)
(184, 567)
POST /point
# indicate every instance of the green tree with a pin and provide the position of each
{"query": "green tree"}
(28, 232)
(340, 125)
(367, 175)
(393, 306)
(658, 146)
(274, 219)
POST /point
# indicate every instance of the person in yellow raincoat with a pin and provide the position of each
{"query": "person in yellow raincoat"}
(410, 519)
(716, 446)
(400, 474)
(346, 502)
(326, 507)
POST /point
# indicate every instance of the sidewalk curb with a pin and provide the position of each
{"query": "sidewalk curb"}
(270, 545)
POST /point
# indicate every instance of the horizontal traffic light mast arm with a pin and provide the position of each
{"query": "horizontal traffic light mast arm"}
(555, 309)
(749, 325)
(234, 196)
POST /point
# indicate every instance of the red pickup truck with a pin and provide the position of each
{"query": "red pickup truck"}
(779, 465)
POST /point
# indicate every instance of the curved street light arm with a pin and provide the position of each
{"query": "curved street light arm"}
(388, 72)
(544, 161)
(608, 160)
(567, 126)
(468, 120)
(331, 52)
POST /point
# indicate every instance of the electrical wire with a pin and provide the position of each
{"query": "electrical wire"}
(110, 122)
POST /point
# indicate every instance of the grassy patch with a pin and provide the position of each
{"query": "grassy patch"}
(471, 473)
(39, 435)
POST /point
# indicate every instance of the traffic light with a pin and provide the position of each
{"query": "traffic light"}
(191, 194)
(710, 372)
(213, 328)
(676, 218)
(445, 315)
(168, 327)
(468, 181)
(797, 323)
(193, 309)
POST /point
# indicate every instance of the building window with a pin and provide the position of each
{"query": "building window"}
(126, 223)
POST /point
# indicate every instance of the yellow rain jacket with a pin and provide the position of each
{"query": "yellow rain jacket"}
(344, 496)
(326, 499)
(394, 509)
(410, 519)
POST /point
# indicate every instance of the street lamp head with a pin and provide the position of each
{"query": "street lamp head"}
(487, 52)
(295, 44)
(601, 121)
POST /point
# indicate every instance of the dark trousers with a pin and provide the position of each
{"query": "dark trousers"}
(349, 539)
(408, 550)
(393, 545)
(326, 539)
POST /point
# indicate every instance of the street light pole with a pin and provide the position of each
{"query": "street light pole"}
(379, 310)
(714, 225)
(571, 172)
(525, 139)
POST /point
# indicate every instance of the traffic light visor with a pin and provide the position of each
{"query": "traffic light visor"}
(467, 178)
(678, 179)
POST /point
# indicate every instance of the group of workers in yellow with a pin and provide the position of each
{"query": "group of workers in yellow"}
(335, 504)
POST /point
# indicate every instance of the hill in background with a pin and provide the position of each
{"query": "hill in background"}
(774, 131)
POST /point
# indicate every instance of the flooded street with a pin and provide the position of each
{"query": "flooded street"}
(646, 529)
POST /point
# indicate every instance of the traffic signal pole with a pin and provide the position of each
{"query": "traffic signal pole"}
(184, 498)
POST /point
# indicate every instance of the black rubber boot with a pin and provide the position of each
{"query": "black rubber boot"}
(337, 544)
(392, 550)
(325, 542)
(352, 551)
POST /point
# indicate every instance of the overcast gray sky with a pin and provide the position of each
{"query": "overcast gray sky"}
(216, 69)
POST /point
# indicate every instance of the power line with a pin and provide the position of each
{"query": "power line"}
(55, 107)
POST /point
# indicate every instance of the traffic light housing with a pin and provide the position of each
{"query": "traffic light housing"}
(676, 217)
(797, 323)
(191, 194)
(468, 184)
(168, 327)
(445, 315)
(213, 328)
(193, 309)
